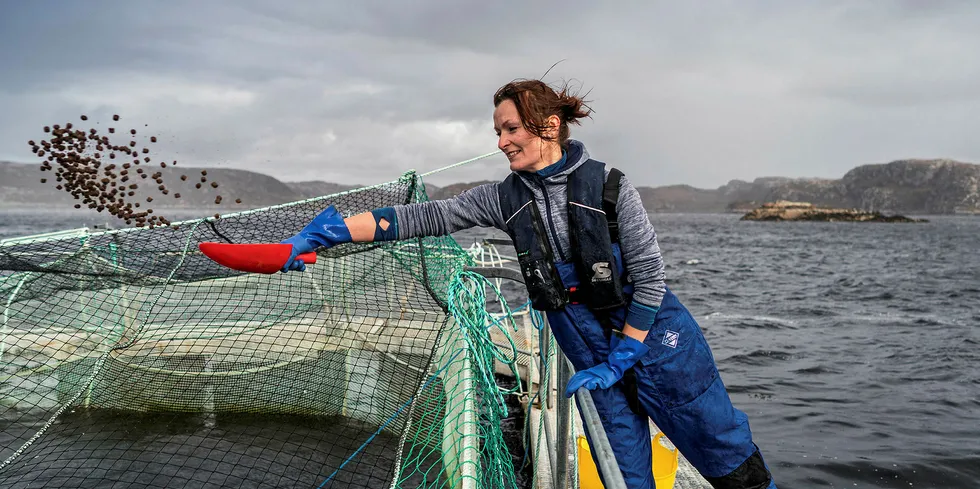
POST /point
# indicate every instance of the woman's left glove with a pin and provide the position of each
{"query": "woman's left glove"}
(327, 229)
(624, 353)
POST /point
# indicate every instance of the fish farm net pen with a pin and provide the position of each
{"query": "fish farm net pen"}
(130, 359)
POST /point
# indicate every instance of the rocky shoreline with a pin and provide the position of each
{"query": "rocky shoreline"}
(784, 210)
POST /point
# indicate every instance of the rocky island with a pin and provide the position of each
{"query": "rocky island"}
(785, 210)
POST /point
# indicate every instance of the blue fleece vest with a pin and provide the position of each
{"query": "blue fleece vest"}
(591, 238)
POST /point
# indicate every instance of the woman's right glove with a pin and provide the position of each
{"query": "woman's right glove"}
(624, 354)
(327, 229)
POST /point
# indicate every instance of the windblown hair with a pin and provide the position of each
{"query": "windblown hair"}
(536, 101)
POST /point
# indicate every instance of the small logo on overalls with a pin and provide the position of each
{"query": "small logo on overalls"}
(601, 272)
(670, 339)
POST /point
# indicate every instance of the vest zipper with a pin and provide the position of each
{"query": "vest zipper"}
(551, 224)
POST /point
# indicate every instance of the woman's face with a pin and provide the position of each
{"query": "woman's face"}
(524, 150)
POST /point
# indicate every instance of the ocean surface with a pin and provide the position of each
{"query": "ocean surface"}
(853, 347)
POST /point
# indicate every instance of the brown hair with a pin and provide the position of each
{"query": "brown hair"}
(536, 101)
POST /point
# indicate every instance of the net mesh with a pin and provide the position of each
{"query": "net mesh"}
(129, 359)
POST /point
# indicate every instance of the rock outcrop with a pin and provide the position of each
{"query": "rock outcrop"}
(784, 210)
(906, 186)
(936, 186)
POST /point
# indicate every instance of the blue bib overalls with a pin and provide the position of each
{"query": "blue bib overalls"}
(677, 384)
(678, 387)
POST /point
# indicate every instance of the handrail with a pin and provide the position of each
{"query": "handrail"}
(498, 241)
(498, 272)
(564, 420)
(67, 233)
(613, 477)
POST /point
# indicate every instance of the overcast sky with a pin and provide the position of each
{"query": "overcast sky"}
(360, 91)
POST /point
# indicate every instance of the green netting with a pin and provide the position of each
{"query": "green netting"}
(129, 359)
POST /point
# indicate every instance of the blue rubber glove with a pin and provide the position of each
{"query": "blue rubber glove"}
(624, 353)
(327, 229)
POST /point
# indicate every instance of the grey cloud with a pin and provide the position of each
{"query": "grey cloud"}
(359, 92)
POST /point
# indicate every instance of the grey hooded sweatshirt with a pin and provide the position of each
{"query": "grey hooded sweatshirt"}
(480, 206)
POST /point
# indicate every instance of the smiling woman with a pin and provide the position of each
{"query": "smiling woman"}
(528, 114)
(590, 259)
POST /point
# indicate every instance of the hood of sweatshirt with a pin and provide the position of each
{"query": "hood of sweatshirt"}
(573, 157)
(551, 198)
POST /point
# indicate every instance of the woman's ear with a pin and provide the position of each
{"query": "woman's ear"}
(553, 124)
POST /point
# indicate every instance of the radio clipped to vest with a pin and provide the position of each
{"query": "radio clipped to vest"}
(544, 287)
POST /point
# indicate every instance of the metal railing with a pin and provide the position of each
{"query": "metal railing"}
(560, 444)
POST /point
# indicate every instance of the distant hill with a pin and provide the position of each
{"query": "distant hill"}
(934, 186)
(20, 185)
(317, 188)
(448, 191)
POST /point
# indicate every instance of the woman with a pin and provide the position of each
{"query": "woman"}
(600, 282)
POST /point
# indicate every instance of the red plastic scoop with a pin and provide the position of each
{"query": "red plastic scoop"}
(254, 258)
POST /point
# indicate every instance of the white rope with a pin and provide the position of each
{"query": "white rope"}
(454, 165)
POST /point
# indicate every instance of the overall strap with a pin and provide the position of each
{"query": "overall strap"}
(610, 199)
